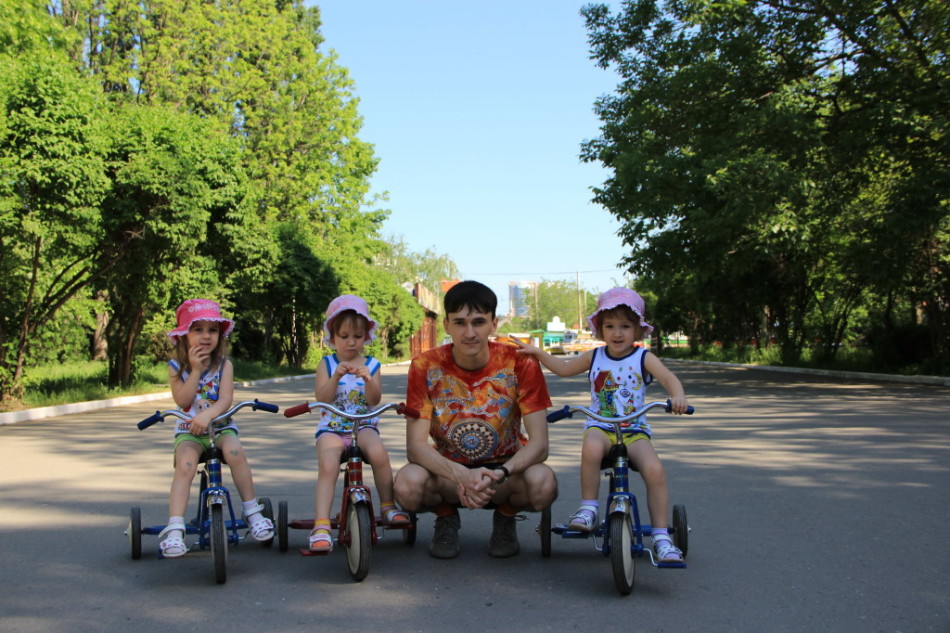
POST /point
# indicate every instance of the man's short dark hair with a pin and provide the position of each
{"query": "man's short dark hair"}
(470, 294)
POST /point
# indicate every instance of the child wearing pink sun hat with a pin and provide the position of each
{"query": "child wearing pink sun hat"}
(342, 304)
(615, 298)
(202, 382)
(619, 374)
(199, 310)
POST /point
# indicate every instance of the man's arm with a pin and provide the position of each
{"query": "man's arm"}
(535, 451)
(471, 485)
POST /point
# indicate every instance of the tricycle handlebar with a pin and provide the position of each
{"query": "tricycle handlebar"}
(159, 416)
(306, 407)
(568, 411)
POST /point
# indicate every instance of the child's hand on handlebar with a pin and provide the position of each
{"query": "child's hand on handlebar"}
(679, 404)
(199, 424)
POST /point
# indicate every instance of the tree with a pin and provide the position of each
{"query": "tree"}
(406, 266)
(52, 180)
(170, 171)
(761, 165)
(562, 299)
(256, 69)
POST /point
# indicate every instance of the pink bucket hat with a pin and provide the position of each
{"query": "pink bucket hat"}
(620, 297)
(342, 304)
(198, 310)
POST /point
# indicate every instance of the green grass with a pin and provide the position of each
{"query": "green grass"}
(83, 381)
(847, 359)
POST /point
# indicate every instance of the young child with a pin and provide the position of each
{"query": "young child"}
(619, 373)
(202, 384)
(351, 382)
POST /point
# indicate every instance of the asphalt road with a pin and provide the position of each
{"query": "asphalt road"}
(816, 504)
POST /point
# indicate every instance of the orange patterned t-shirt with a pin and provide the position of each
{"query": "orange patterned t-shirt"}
(475, 416)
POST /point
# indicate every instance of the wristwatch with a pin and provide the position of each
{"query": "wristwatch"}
(504, 470)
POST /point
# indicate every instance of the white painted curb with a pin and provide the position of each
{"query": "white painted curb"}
(78, 407)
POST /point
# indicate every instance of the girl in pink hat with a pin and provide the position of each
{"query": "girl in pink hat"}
(202, 384)
(350, 381)
(619, 373)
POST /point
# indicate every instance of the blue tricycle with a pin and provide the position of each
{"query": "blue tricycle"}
(621, 533)
(210, 524)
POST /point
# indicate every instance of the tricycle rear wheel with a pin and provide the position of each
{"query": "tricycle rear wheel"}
(544, 529)
(680, 528)
(409, 533)
(283, 526)
(135, 533)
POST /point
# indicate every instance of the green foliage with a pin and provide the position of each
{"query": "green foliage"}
(429, 268)
(53, 180)
(780, 170)
(562, 299)
(279, 319)
(162, 151)
(168, 170)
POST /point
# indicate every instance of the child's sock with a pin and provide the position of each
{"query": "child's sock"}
(250, 507)
(591, 504)
(660, 533)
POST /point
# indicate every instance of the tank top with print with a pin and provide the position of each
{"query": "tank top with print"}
(618, 387)
(350, 397)
(206, 395)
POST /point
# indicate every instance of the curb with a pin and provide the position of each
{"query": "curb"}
(78, 407)
(937, 381)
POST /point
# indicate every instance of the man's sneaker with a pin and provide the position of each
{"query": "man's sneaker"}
(665, 551)
(583, 520)
(445, 540)
(504, 536)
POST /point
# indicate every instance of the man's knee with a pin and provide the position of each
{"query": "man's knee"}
(409, 486)
(541, 484)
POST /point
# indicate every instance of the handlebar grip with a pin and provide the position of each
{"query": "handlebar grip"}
(297, 410)
(669, 408)
(407, 411)
(560, 414)
(263, 406)
(150, 420)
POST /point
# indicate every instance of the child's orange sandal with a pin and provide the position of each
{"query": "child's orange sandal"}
(395, 516)
(320, 540)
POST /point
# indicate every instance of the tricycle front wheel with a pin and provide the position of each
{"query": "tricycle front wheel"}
(621, 552)
(358, 540)
(219, 543)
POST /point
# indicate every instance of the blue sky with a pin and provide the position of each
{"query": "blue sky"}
(477, 111)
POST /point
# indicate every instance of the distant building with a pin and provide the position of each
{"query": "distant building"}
(446, 284)
(520, 295)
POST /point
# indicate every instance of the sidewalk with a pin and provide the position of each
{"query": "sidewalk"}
(66, 409)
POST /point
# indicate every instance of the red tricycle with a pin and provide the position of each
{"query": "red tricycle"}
(357, 525)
